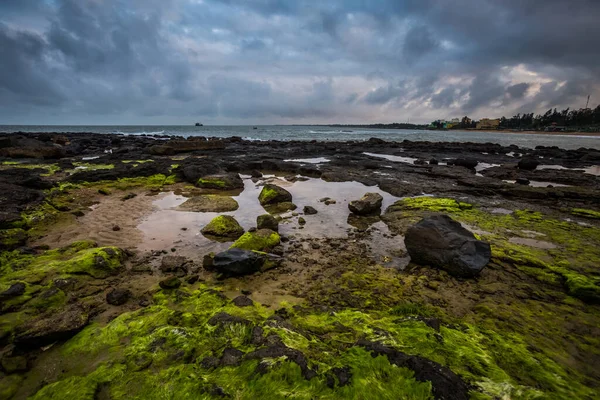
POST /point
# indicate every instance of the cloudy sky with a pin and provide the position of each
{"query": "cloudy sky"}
(293, 61)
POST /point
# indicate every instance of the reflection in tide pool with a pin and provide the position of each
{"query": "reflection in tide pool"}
(167, 227)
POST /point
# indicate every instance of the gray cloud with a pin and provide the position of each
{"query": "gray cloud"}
(175, 61)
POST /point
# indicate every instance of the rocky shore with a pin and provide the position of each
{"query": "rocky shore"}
(148, 267)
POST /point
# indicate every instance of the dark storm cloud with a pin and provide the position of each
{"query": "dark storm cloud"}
(274, 60)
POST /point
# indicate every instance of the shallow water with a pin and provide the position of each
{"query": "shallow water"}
(593, 170)
(406, 160)
(162, 229)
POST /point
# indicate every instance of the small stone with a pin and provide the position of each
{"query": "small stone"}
(128, 196)
(184, 229)
(308, 210)
(315, 245)
(522, 181)
(171, 282)
(173, 249)
(118, 297)
(243, 301)
(246, 292)
(192, 279)
(116, 228)
(301, 221)
(104, 192)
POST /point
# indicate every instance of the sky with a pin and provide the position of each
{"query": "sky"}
(153, 62)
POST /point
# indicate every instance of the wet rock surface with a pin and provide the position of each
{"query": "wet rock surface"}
(441, 242)
(237, 262)
(370, 203)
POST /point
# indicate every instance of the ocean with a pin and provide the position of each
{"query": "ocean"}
(294, 132)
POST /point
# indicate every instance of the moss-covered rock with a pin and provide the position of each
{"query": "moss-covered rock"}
(209, 203)
(582, 212)
(280, 208)
(223, 226)
(12, 238)
(259, 240)
(273, 194)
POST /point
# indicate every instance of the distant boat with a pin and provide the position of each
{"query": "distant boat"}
(254, 127)
(199, 124)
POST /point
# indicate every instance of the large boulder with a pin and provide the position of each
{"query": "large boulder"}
(528, 164)
(237, 261)
(273, 194)
(223, 226)
(466, 163)
(370, 203)
(441, 242)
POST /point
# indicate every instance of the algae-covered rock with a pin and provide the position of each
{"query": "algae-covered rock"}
(171, 282)
(259, 240)
(223, 226)
(221, 181)
(273, 194)
(441, 242)
(209, 203)
(49, 329)
(369, 204)
(237, 261)
(280, 208)
(267, 221)
(118, 296)
(12, 238)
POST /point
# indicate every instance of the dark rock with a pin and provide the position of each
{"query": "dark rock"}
(46, 330)
(128, 196)
(210, 362)
(301, 221)
(222, 318)
(433, 161)
(117, 297)
(14, 364)
(116, 228)
(273, 194)
(466, 163)
(370, 203)
(231, 357)
(522, 181)
(445, 384)
(208, 262)
(341, 376)
(238, 262)
(528, 164)
(14, 290)
(441, 242)
(171, 282)
(246, 292)
(267, 221)
(243, 301)
(309, 210)
(174, 264)
(192, 279)
(229, 181)
(280, 350)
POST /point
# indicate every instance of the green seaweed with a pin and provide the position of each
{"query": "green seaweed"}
(260, 240)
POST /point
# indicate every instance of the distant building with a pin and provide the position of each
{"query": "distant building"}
(455, 121)
(486, 123)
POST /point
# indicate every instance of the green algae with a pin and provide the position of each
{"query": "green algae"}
(267, 194)
(12, 238)
(259, 240)
(211, 183)
(51, 169)
(223, 226)
(78, 258)
(159, 349)
(434, 204)
(582, 212)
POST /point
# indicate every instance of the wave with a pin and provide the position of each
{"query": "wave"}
(311, 131)
(139, 133)
(252, 139)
